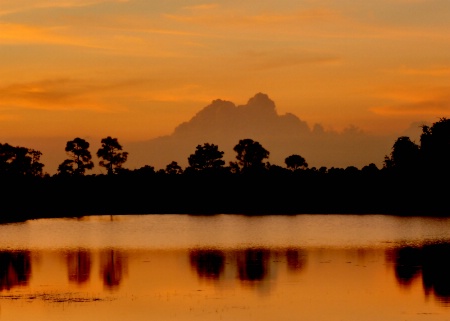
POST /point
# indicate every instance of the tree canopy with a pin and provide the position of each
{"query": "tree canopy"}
(173, 169)
(111, 156)
(295, 162)
(250, 155)
(79, 158)
(207, 156)
(20, 161)
(405, 155)
(435, 144)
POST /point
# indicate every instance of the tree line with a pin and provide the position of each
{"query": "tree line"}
(412, 181)
(433, 153)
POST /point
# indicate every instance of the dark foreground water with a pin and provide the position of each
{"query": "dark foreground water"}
(226, 267)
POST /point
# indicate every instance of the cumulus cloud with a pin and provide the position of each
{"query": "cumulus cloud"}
(223, 123)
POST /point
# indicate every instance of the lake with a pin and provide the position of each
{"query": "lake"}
(226, 267)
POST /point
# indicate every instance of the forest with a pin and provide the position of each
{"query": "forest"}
(412, 181)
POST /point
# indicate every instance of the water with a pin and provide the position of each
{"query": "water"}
(226, 267)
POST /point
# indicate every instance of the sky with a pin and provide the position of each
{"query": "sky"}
(136, 69)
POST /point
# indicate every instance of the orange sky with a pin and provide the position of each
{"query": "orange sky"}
(135, 69)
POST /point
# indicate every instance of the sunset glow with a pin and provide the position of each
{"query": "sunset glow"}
(136, 69)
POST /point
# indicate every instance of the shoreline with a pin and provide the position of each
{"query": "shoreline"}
(54, 197)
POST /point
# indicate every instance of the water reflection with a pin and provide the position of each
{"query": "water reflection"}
(248, 266)
(15, 269)
(253, 264)
(431, 262)
(242, 281)
(79, 266)
(113, 266)
(298, 267)
(209, 264)
(296, 259)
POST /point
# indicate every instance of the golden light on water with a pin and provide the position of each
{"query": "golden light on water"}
(305, 266)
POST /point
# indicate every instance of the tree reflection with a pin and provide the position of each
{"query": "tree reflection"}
(295, 259)
(112, 267)
(253, 264)
(436, 271)
(431, 261)
(408, 264)
(15, 269)
(79, 266)
(208, 263)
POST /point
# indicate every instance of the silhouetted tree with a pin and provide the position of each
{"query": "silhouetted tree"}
(80, 157)
(66, 168)
(145, 170)
(207, 156)
(250, 155)
(111, 155)
(435, 144)
(295, 162)
(405, 155)
(351, 169)
(20, 161)
(173, 168)
(370, 169)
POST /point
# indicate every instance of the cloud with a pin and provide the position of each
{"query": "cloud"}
(422, 108)
(15, 6)
(424, 101)
(106, 41)
(26, 34)
(63, 95)
(434, 71)
(326, 21)
(264, 60)
(7, 117)
(237, 18)
(201, 7)
(98, 95)
(223, 123)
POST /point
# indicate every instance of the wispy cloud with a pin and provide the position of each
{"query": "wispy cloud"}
(434, 71)
(422, 108)
(417, 101)
(8, 117)
(139, 42)
(95, 95)
(62, 95)
(316, 22)
(264, 60)
(15, 6)
(205, 6)
(239, 18)
(26, 34)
